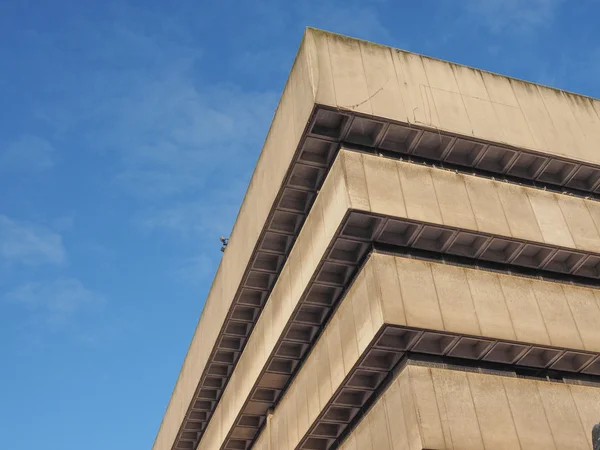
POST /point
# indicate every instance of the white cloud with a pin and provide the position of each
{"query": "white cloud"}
(55, 302)
(28, 152)
(514, 15)
(26, 243)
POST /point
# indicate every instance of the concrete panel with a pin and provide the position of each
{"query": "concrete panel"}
(320, 64)
(356, 180)
(528, 413)
(419, 192)
(455, 301)
(524, 310)
(483, 119)
(550, 219)
(415, 89)
(362, 312)
(514, 125)
(518, 211)
(459, 408)
(349, 78)
(499, 89)
(579, 221)
(496, 424)
(416, 281)
(392, 306)
(589, 123)
(586, 400)
(470, 82)
(383, 185)
(384, 91)
(570, 135)
(452, 112)
(540, 124)
(377, 421)
(487, 207)
(557, 315)
(426, 408)
(490, 304)
(561, 412)
(586, 314)
(394, 412)
(453, 199)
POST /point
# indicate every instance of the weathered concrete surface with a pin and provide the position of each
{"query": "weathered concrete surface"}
(350, 74)
(432, 408)
(401, 291)
(373, 79)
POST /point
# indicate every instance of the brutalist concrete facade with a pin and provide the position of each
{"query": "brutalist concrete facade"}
(416, 264)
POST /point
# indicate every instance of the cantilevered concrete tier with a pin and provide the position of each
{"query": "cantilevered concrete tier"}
(384, 100)
(470, 217)
(354, 211)
(400, 306)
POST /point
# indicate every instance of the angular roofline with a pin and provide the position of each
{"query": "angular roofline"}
(366, 41)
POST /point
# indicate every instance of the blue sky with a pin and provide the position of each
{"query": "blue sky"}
(128, 132)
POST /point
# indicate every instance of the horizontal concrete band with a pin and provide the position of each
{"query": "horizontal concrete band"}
(292, 164)
(333, 241)
(490, 159)
(438, 408)
(474, 314)
(368, 336)
(374, 80)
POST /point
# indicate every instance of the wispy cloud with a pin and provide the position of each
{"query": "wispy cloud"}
(169, 134)
(28, 152)
(206, 217)
(516, 15)
(26, 243)
(173, 136)
(57, 302)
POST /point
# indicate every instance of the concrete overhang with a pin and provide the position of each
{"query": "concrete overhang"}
(370, 202)
(397, 103)
(400, 309)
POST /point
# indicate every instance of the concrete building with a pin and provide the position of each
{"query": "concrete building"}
(415, 265)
